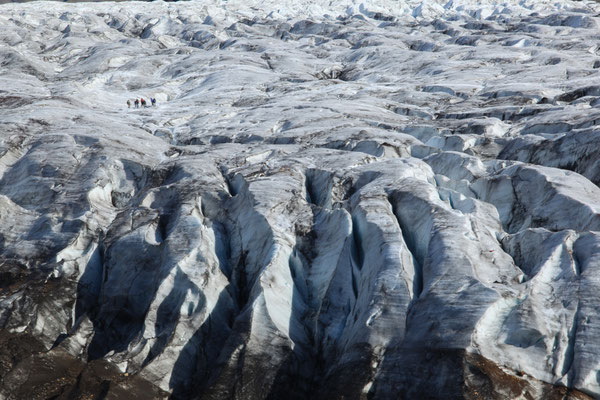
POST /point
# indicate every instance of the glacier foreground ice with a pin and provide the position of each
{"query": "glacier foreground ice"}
(375, 200)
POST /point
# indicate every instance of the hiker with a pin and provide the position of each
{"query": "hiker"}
(153, 101)
(143, 102)
(128, 104)
(136, 103)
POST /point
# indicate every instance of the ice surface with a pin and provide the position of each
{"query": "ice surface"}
(329, 200)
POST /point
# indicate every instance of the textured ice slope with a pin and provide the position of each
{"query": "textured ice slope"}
(349, 200)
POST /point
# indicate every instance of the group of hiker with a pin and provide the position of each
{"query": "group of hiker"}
(141, 102)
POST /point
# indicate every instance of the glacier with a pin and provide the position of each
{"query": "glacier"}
(330, 200)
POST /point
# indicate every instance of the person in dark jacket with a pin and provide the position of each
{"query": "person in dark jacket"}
(136, 103)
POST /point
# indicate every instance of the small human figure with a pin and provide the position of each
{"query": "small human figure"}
(136, 103)
(128, 103)
(153, 101)
(143, 102)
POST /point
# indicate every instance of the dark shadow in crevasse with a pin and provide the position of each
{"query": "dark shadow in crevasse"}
(131, 277)
(196, 361)
(168, 313)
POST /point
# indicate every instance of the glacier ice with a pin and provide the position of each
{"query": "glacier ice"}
(374, 200)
